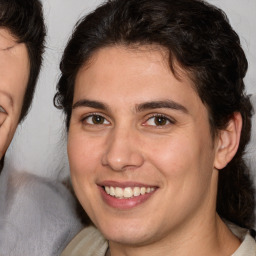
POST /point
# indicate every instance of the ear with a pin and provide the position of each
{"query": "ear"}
(228, 141)
(5, 135)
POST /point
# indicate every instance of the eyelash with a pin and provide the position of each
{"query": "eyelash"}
(91, 116)
(167, 120)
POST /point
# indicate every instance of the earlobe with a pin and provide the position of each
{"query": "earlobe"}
(228, 141)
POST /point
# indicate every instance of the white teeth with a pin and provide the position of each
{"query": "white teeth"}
(119, 192)
(127, 192)
(136, 191)
(112, 191)
(143, 191)
(107, 190)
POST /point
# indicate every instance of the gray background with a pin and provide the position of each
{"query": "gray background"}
(39, 146)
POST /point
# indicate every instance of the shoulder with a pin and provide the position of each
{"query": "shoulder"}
(38, 210)
(88, 242)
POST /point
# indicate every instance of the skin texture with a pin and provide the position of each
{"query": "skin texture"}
(14, 73)
(127, 144)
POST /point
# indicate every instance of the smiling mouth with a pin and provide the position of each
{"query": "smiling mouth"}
(127, 192)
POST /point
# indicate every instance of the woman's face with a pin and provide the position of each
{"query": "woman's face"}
(140, 149)
(14, 73)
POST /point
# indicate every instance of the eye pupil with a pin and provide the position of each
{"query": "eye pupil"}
(97, 119)
(160, 120)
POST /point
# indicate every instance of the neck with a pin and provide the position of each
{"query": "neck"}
(215, 240)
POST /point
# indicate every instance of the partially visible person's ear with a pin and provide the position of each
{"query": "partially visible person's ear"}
(6, 134)
(228, 141)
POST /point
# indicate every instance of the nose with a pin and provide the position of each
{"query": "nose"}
(122, 151)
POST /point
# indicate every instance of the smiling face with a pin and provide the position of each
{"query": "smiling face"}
(14, 73)
(140, 148)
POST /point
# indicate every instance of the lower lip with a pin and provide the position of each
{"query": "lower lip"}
(124, 203)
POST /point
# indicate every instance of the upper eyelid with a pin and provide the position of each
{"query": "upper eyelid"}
(171, 119)
(147, 117)
(94, 114)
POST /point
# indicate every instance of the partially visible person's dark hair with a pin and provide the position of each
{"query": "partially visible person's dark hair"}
(200, 39)
(24, 19)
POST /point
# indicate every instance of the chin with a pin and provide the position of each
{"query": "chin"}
(126, 233)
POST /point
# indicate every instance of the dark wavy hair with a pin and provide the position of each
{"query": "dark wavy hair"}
(199, 37)
(24, 19)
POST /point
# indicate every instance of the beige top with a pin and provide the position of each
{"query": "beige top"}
(90, 242)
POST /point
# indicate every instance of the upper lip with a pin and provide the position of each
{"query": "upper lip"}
(110, 183)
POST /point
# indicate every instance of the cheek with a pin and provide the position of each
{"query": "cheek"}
(83, 154)
(171, 154)
(82, 160)
(180, 156)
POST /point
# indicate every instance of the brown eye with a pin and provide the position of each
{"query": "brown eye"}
(159, 120)
(96, 120)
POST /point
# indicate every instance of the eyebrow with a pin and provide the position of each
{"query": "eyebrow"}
(14, 43)
(139, 108)
(161, 104)
(8, 48)
(90, 104)
(8, 96)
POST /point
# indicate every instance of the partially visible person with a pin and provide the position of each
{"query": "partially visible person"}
(157, 120)
(37, 215)
(22, 33)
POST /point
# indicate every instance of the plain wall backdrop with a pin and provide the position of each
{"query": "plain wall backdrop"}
(39, 145)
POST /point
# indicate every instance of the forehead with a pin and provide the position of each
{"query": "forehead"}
(12, 52)
(131, 67)
(14, 69)
(14, 58)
